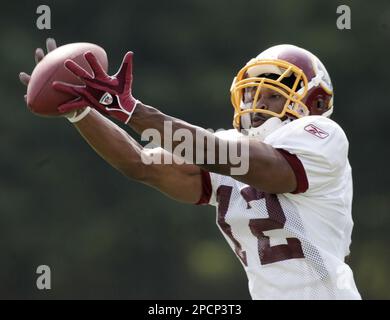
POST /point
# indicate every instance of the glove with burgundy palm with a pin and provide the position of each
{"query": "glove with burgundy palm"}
(111, 95)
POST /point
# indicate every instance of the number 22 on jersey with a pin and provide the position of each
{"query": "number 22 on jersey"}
(276, 220)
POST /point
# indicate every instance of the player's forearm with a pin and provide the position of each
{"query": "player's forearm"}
(113, 144)
(146, 117)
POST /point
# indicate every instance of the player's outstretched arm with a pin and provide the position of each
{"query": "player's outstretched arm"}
(268, 169)
(180, 182)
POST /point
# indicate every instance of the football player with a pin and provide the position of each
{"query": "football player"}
(288, 218)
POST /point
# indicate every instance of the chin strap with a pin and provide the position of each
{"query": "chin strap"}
(269, 126)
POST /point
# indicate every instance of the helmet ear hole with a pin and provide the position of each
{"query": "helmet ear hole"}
(320, 104)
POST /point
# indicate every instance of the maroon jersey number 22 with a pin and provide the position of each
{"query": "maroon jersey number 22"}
(276, 220)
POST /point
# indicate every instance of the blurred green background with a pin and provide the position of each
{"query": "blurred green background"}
(107, 237)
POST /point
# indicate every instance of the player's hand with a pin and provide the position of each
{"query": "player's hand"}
(39, 55)
(110, 95)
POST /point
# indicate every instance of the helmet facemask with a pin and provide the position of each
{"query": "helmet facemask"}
(280, 76)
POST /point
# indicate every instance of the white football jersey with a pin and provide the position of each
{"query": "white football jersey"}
(293, 245)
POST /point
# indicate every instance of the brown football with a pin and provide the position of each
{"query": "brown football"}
(42, 99)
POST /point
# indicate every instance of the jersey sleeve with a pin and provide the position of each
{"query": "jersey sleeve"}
(210, 183)
(321, 146)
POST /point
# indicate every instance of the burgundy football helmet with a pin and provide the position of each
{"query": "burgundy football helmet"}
(295, 73)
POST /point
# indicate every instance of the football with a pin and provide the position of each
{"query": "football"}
(42, 99)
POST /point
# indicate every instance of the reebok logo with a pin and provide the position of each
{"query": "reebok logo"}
(311, 128)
